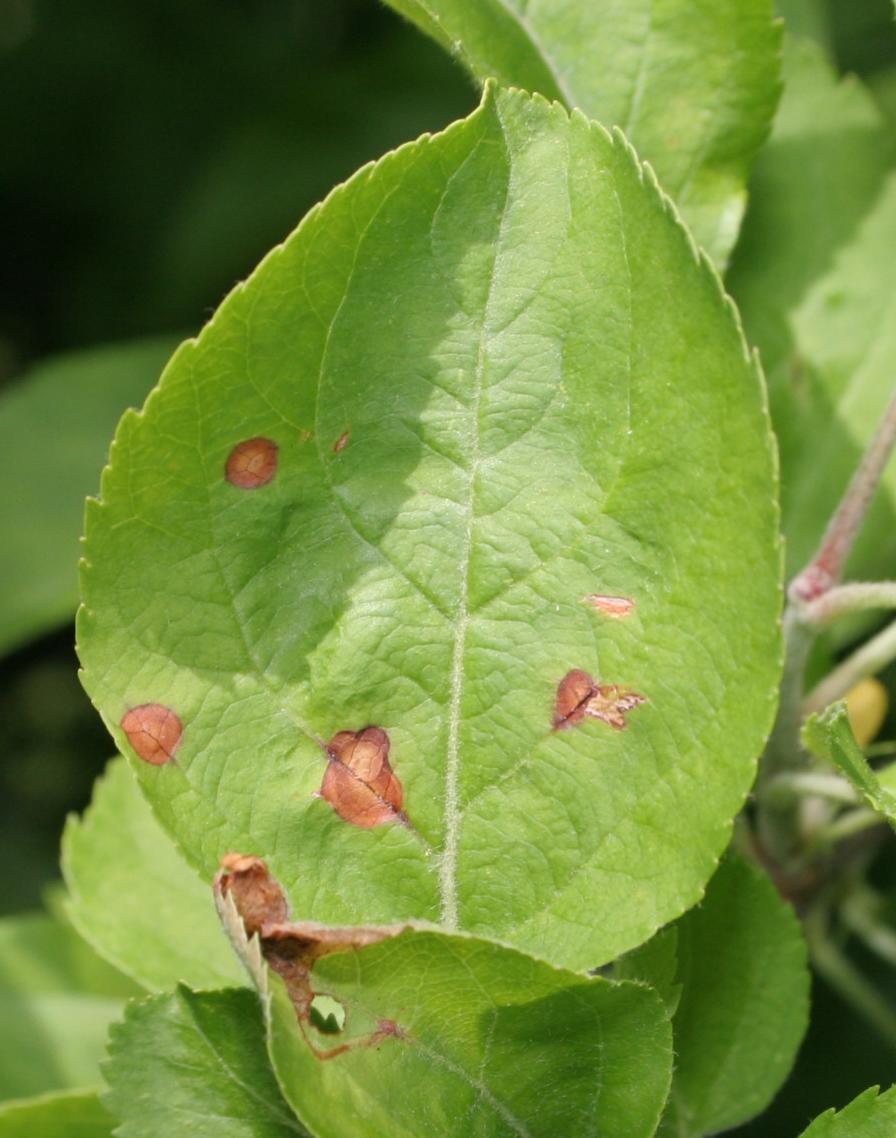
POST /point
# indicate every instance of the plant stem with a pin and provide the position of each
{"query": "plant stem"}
(832, 964)
(859, 910)
(799, 783)
(875, 654)
(826, 567)
(857, 596)
(848, 824)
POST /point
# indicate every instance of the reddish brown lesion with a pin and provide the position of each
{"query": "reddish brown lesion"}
(579, 695)
(359, 782)
(292, 948)
(342, 442)
(154, 731)
(252, 463)
(615, 607)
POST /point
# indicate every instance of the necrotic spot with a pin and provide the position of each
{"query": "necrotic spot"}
(154, 731)
(252, 463)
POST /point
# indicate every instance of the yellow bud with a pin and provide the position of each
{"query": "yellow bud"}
(866, 706)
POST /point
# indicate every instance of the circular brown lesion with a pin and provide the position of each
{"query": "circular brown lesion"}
(252, 463)
(154, 731)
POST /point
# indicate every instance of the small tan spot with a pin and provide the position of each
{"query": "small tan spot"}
(304, 436)
(359, 782)
(579, 695)
(615, 607)
(154, 731)
(252, 463)
(342, 442)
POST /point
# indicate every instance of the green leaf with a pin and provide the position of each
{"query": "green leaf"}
(828, 135)
(871, 1115)
(39, 954)
(845, 331)
(134, 898)
(195, 1063)
(56, 1001)
(55, 425)
(446, 1034)
(744, 1000)
(499, 379)
(694, 87)
(829, 736)
(70, 1114)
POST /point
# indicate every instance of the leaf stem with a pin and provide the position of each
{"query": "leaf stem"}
(791, 784)
(846, 825)
(873, 655)
(841, 974)
(826, 567)
(860, 911)
(857, 596)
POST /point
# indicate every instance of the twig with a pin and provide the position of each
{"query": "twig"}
(826, 567)
(857, 596)
(874, 654)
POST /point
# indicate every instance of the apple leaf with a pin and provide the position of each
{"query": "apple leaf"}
(429, 1032)
(66, 1114)
(195, 1063)
(519, 451)
(693, 86)
(871, 1115)
(742, 986)
(134, 898)
(829, 736)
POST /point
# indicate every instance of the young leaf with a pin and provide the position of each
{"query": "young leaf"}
(743, 1000)
(871, 1115)
(195, 1062)
(134, 898)
(829, 736)
(497, 377)
(68, 1114)
(694, 87)
(55, 425)
(444, 1034)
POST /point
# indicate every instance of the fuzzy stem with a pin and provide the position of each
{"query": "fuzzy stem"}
(857, 596)
(874, 654)
(826, 567)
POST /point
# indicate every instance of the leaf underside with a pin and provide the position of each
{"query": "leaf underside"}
(498, 384)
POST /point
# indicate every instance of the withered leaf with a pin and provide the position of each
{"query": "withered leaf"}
(154, 731)
(292, 947)
(579, 695)
(359, 782)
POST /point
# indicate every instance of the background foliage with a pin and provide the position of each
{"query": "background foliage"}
(153, 153)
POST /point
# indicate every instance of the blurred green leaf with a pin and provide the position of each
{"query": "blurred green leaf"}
(134, 897)
(744, 1000)
(56, 1002)
(55, 427)
(871, 1115)
(693, 86)
(466, 358)
(40, 954)
(829, 736)
(67, 1114)
(195, 1063)
(813, 187)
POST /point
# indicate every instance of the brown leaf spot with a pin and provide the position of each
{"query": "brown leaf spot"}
(154, 731)
(342, 442)
(579, 695)
(252, 463)
(291, 948)
(359, 782)
(615, 607)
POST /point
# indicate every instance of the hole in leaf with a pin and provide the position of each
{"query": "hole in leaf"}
(327, 1015)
